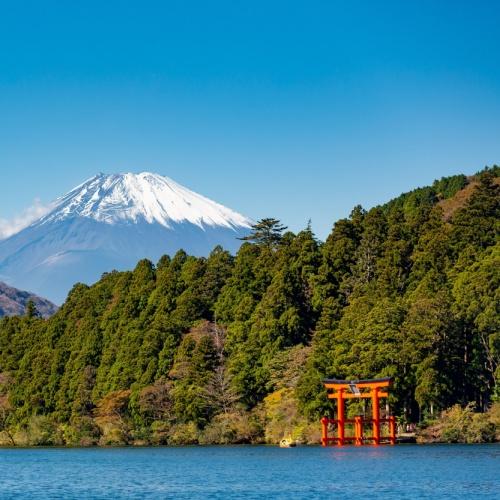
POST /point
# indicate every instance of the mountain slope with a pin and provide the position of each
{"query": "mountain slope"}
(110, 222)
(231, 350)
(13, 302)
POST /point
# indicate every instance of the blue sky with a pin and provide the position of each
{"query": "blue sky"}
(288, 109)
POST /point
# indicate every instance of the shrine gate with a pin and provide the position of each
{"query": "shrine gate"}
(341, 390)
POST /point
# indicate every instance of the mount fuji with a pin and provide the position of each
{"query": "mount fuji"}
(110, 222)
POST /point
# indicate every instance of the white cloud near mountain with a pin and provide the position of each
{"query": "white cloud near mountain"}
(11, 226)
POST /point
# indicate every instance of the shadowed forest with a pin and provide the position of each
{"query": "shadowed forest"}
(233, 349)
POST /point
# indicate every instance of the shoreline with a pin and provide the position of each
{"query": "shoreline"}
(247, 445)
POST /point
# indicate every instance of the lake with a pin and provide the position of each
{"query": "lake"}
(403, 471)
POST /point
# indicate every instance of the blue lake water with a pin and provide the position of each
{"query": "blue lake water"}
(403, 471)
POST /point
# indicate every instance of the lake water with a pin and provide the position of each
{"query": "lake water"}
(403, 471)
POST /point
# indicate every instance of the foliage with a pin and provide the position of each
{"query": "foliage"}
(229, 349)
(460, 425)
(266, 232)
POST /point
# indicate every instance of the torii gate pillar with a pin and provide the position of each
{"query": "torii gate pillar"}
(347, 389)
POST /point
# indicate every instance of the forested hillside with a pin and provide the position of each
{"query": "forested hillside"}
(233, 349)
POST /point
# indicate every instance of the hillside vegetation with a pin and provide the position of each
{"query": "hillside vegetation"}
(233, 349)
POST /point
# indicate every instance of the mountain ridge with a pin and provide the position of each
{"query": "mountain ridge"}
(113, 198)
(110, 222)
(14, 302)
(233, 349)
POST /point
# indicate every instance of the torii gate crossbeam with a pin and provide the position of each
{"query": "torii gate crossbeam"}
(373, 389)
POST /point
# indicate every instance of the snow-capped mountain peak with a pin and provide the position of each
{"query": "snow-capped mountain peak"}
(133, 198)
(110, 222)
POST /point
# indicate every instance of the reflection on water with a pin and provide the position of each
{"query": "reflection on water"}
(404, 471)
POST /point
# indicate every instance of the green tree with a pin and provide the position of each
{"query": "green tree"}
(266, 232)
(31, 310)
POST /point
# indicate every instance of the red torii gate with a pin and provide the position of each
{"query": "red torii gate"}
(348, 389)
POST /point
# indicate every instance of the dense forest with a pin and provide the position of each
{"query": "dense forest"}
(232, 349)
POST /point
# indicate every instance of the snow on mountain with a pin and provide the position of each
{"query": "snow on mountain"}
(131, 197)
(110, 222)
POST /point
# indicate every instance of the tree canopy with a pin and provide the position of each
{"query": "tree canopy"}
(234, 348)
(266, 232)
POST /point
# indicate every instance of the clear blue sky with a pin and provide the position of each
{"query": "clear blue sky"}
(291, 109)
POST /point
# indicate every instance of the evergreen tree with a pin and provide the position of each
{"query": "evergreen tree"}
(266, 232)
(31, 310)
(408, 290)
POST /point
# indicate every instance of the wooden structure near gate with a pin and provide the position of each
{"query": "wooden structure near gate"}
(374, 389)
